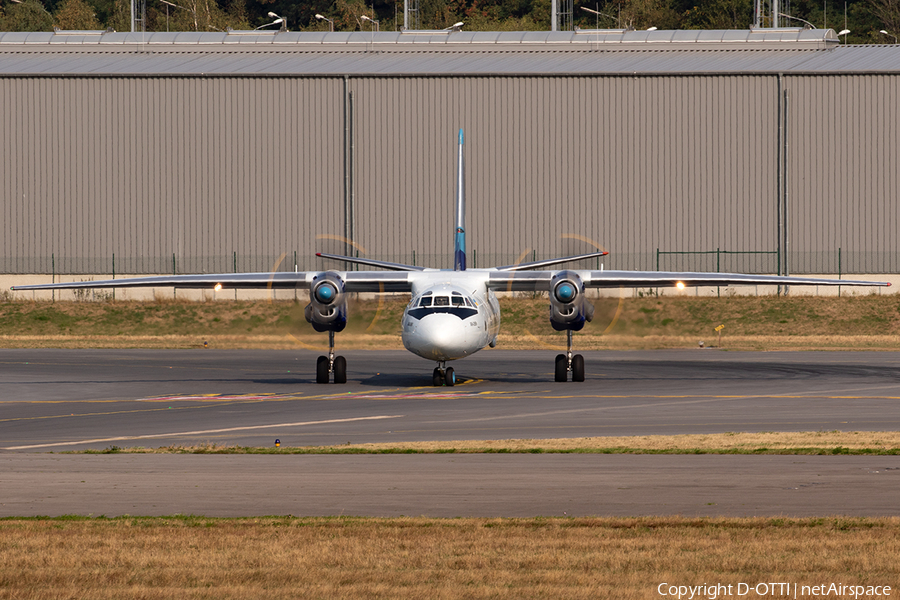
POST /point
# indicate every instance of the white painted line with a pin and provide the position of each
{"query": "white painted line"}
(203, 432)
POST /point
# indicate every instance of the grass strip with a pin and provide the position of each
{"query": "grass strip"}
(574, 558)
(878, 443)
(870, 322)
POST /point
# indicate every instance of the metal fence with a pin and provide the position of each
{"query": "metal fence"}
(837, 262)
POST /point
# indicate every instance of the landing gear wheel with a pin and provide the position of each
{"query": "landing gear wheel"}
(322, 369)
(578, 368)
(450, 377)
(340, 369)
(562, 367)
(436, 379)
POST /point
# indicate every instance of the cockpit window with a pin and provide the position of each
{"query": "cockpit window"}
(468, 302)
(425, 301)
(441, 301)
(457, 300)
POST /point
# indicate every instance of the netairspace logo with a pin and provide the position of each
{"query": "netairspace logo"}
(715, 591)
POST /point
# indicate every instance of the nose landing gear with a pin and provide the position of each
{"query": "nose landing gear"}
(442, 376)
(569, 362)
(326, 365)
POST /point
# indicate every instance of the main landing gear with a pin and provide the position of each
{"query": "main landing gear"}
(442, 376)
(569, 362)
(326, 365)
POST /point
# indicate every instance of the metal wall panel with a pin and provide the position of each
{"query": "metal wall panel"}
(206, 169)
(148, 168)
(844, 173)
(634, 164)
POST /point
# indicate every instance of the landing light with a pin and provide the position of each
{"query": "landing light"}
(680, 285)
(218, 287)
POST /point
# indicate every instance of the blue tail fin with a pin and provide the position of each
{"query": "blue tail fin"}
(459, 251)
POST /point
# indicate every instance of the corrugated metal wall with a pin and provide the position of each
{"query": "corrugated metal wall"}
(844, 173)
(145, 169)
(206, 169)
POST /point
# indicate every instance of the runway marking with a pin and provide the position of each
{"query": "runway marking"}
(202, 432)
(686, 399)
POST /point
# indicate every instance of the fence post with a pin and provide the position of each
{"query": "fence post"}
(114, 275)
(839, 271)
(718, 270)
(174, 289)
(657, 259)
(53, 278)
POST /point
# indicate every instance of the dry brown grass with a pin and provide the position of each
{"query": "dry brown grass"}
(751, 323)
(221, 342)
(733, 442)
(715, 442)
(590, 558)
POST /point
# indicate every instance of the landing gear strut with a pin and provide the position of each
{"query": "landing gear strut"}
(442, 376)
(569, 362)
(326, 365)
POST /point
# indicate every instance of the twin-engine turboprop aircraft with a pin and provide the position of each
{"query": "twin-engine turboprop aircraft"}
(452, 313)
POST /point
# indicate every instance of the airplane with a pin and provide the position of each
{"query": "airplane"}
(452, 314)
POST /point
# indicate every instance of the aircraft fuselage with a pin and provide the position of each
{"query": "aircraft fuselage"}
(452, 314)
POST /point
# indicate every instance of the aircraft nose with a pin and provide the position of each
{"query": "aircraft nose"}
(446, 335)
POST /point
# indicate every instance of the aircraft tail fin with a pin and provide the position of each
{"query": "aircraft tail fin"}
(459, 250)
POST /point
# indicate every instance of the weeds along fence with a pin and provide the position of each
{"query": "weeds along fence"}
(836, 262)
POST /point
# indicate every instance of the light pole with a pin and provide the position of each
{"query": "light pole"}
(173, 5)
(600, 14)
(843, 33)
(372, 21)
(810, 25)
(324, 18)
(278, 19)
(890, 34)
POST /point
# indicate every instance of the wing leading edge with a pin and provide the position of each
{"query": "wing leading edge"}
(529, 281)
(354, 281)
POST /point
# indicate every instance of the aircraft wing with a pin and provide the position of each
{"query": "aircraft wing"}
(530, 281)
(354, 281)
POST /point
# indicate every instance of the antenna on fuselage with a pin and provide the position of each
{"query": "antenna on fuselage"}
(459, 251)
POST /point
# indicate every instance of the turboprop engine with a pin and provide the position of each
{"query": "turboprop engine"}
(568, 307)
(327, 308)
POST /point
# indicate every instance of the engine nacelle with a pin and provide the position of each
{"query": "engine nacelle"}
(568, 307)
(327, 308)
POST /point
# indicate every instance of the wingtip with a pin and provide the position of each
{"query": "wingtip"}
(319, 254)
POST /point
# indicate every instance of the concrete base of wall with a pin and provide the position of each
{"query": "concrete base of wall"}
(168, 293)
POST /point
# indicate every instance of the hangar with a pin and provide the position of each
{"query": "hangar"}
(762, 151)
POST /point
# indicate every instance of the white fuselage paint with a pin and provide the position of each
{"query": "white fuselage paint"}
(452, 314)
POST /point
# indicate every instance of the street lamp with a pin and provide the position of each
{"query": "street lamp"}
(173, 5)
(324, 18)
(809, 25)
(275, 22)
(843, 32)
(372, 21)
(600, 14)
(890, 34)
(278, 19)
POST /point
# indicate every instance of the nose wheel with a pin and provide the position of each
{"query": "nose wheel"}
(442, 376)
(569, 362)
(326, 365)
